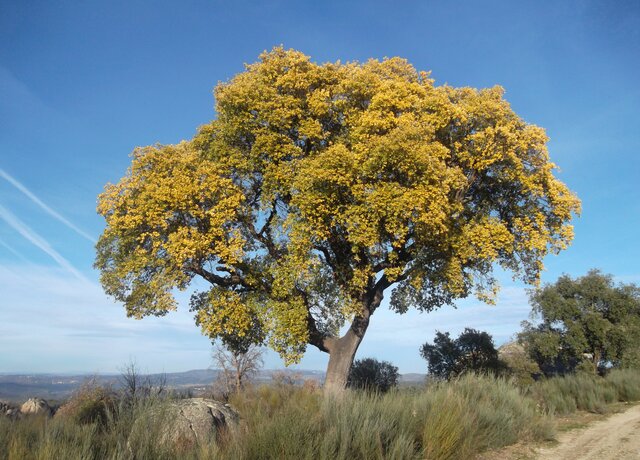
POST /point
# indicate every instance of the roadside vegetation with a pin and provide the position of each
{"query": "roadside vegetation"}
(476, 398)
(442, 420)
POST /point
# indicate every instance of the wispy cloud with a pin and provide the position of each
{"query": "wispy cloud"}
(52, 212)
(38, 241)
(66, 325)
(13, 251)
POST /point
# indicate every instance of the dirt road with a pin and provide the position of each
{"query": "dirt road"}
(617, 437)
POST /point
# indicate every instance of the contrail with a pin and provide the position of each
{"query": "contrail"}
(44, 206)
(38, 241)
(13, 251)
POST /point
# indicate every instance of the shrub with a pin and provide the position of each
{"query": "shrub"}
(476, 413)
(447, 420)
(564, 395)
(626, 382)
(371, 374)
(92, 403)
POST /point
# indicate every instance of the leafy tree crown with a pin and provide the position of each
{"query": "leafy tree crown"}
(320, 185)
(589, 318)
(371, 374)
(472, 351)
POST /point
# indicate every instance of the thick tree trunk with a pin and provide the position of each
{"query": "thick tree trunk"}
(342, 350)
(341, 354)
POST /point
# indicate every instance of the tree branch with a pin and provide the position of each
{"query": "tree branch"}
(316, 338)
(234, 279)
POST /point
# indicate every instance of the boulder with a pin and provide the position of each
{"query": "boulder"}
(9, 410)
(519, 365)
(36, 406)
(184, 423)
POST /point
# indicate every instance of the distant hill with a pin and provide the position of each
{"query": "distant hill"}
(20, 387)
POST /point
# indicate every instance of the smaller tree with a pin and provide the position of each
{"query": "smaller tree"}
(236, 364)
(137, 387)
(371, 374)
(584, 323)
(473, 350)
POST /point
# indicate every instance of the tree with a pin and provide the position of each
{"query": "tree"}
(136, 387)
(472, 351)
(236, 365)
(371, 374)
(321, 186)
(587, 322)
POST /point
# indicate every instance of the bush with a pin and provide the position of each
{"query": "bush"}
(91, 403)
(626, 382)
(371, 374)
(476, 413)
(564, 395)
(448, 420)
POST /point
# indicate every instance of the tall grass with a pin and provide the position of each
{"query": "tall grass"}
(447, 420)
(565, 395)
(626, 382)
(474, 414)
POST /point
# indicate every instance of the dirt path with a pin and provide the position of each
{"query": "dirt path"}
(617, 437)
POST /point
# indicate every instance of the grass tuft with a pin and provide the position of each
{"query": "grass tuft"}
(446, 420)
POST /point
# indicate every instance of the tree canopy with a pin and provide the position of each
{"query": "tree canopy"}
(319, 186)
(587, 320)
(371, 374)
(472, 351)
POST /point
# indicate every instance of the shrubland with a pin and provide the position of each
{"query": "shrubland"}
(442, 420)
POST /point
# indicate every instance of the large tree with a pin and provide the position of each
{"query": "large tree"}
(320, 186)
(588, 321)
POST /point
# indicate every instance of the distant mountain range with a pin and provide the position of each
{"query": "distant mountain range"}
(55, 387)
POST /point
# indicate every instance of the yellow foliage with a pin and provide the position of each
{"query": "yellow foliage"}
(368, 170)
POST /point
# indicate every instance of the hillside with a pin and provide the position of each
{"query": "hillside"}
(18, 387)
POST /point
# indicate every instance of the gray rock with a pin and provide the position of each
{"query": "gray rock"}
(9, 410)
(185, 423)
(36, 406)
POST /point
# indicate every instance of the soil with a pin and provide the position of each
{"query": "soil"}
(616, 437)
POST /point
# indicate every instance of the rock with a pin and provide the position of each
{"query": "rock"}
(520, 366)
(36, 406)
(9, 410)
(184, 423)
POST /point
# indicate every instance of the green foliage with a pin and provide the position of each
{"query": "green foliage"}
(371, 374)
(475, 413)
(626, 382)
(448, 420)
(318, 187)
(37, 438)
(451, 420)
(565, 395)
(472, 351)
(586, 323)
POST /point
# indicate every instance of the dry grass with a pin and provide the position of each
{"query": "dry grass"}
(449, 420)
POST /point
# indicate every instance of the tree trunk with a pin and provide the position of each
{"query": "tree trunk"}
(238, 377)
(341, 354)
(596, 360)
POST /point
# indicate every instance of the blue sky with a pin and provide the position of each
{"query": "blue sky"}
(83, 83)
